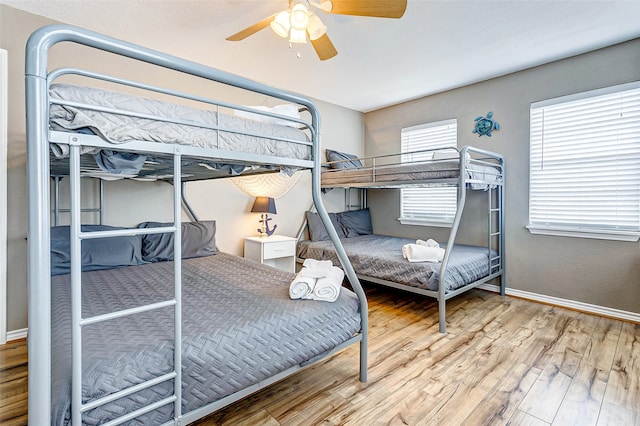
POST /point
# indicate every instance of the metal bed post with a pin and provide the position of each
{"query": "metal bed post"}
(39, 338)
(76, 285)
(503, 282)
(177, 264)
(442, 301)
(462, 197)
(186, 203)
(342, 255)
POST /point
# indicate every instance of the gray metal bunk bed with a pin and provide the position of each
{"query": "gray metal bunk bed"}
(75, 374)
(378, 258)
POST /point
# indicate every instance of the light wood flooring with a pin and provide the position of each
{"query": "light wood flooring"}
(503, 361)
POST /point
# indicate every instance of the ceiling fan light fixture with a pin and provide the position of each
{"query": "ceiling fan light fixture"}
(299, 24)
(297, 36)
(299, 17)
(280, 24)
(316, 27)
(326, 5)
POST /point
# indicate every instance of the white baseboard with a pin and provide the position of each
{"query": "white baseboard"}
(566, 303)
(16, 334)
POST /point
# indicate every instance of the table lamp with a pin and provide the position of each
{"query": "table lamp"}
(265, 205)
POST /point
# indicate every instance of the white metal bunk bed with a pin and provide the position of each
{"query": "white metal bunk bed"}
(172, 161)
(380, 260)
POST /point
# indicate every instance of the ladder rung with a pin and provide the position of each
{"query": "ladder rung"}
(85, 210)
(141, 411)
(495, 233)
(126, 312)
(133, 389)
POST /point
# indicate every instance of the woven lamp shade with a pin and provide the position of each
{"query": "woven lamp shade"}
(274, 185)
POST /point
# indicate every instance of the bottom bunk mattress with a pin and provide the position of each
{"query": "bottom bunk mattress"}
(239, 327)
(380, 256)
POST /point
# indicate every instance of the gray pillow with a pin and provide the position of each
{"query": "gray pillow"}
(356, 222)
(198, 240)
(317, 231)
(338, 156)
(97, 254)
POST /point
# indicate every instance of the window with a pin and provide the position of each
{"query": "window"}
(585, 164)
(428, 206)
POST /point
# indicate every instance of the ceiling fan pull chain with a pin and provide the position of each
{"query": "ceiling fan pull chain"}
(298, 54)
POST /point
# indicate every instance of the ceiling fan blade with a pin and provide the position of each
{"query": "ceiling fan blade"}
(252, 29)
(376, 8)
(324, 47)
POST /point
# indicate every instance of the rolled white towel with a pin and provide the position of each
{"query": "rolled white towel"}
(428, 243)
(328, 288)
(301, 287)
(315, 263)
(420, 253)
(316, 268)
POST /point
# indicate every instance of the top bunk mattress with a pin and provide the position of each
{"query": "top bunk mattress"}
(481, 176)
(236, 332)
(120, 118)
(437, 167)
(380, 256)
(387, 174)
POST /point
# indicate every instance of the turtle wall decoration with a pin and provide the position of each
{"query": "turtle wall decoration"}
(485, 125)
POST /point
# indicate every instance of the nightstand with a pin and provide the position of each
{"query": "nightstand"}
(276, 251)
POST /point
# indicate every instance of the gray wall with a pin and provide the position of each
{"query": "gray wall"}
(131, 202)
(604, 273)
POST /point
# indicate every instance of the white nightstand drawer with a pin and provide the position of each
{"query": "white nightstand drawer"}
(278, 249)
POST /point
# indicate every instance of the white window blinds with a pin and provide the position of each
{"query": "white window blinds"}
(585, 164)
(433, 206)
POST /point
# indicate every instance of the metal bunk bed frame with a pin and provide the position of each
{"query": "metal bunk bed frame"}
(495, 215)
(38, 79)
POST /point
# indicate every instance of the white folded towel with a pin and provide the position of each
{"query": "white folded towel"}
(313, 268)
(428, 243)
(301, 286)
(328, 288)
(422, 253)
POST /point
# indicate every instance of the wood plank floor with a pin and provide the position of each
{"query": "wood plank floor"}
(504, 361)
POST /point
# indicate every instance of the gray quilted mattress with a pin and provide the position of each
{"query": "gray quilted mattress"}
(380, 256)
(239, 327)
(237, 134)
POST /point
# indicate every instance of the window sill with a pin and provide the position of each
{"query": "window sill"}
(425, 222)
(598, 235)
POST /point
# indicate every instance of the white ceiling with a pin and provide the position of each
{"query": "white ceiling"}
(437, 45)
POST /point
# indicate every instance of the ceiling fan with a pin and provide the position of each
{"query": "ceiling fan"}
(298, 22)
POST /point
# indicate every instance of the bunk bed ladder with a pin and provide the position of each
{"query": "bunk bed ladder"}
(76, 237)
(56, 202)
(361, 198)
(495, 234)
(501, 226)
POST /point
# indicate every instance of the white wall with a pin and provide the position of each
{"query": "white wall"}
(3, 195)
(598, 272)
(131, 202)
